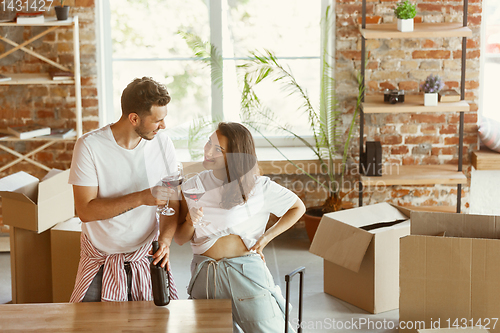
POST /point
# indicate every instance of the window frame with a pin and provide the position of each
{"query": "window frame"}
(105, 66)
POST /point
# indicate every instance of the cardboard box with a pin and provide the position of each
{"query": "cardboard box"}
(361, 266)
(450, 270)
(33, 205)
(30, 263)
(65, 249)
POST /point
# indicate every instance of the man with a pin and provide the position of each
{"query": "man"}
(114, 173)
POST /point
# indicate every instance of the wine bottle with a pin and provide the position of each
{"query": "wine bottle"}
(159, 281)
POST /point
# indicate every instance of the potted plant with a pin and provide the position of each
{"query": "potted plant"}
(62, 11)
(330, 144)
(431, 87)
(405, 12)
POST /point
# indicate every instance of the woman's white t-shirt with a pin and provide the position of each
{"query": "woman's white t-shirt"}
(99, 161)
(248, 220)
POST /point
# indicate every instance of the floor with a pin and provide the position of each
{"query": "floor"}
(321, 312)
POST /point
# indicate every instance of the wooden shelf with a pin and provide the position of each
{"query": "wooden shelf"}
(413, 103)
(38, 138)
(49, 22)
(486, 159)
(417, 175)
(421, 30)
(37, 78)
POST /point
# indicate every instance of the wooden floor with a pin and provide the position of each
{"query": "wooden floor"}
(4, 244)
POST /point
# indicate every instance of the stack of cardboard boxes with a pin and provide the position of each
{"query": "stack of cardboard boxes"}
(442, 272)
(44, 258)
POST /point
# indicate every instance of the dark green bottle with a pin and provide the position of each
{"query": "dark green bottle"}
(159, 281)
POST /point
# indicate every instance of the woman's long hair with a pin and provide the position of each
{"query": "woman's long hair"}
(241, 164)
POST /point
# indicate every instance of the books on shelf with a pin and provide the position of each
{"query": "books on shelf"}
(30, 18)
(28, 131)
(4, 78)
(449, 95)
(62, 133)
(58, 75)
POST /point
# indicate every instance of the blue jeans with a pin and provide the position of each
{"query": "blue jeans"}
(258, 306)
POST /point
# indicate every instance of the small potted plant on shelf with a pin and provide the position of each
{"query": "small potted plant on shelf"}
(431, 87)
(62, 11)
(405, 13)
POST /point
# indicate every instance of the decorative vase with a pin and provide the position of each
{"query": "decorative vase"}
(312, 217)
(62, 13)
(405, 25)
(431, 99)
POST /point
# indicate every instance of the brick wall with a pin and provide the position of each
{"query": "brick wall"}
(404, 64)
(51, 105)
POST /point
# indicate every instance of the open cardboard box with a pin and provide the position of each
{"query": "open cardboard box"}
(450, 270)
(33, 205)
(362, 266)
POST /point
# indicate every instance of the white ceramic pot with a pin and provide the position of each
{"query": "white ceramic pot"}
(431, 99)
(405, 25)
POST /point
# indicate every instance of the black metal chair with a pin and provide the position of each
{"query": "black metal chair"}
(288, 278)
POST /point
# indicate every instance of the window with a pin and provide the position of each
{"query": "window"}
(144, 40)
(490, 59)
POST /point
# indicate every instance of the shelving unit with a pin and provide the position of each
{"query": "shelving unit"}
(415, 174)
(44, 79)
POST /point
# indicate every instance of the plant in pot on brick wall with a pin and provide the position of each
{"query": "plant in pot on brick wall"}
(405, 13)
(325, 122)
(431, 87)
(62, 11)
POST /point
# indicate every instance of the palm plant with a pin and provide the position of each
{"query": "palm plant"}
(325, 122)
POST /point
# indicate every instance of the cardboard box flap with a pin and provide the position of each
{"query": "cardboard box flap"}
(16, 196)
(455, 225)
(20, 182)
(340, 243)
(54, 185)
(73, 224)
(368, 215)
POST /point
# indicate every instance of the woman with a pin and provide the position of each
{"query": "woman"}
(227, 233)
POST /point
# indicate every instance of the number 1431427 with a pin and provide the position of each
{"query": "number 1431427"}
(26, 5)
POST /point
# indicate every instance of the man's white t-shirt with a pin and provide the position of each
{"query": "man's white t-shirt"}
(99, 161)
(248, 220)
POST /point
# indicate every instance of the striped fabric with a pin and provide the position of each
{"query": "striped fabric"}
(114, 281)
(489, 133)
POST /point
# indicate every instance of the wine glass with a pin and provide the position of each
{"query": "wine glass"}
(172, 180)
(193, 189)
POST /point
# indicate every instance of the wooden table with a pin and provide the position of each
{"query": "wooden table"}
(184, 316)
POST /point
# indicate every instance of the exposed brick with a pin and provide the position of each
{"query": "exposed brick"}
(429, 44)
(448, 129)
(431, 54)
(371, 19)
(408, 85)
(391, 139)
(473, 54)
(399, 150)
(429, 118)
(421, 139)
(89, 102)
(387, 85)
(428, 129)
